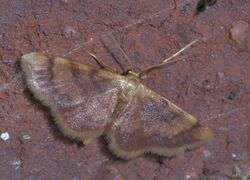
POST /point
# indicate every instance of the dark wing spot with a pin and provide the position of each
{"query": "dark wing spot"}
(157, 111)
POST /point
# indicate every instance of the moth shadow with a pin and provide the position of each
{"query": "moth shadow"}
(58, 135)
(107, 152)
(157, 158)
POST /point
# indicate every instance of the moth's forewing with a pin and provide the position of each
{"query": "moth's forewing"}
(81, 99)
(151, 123)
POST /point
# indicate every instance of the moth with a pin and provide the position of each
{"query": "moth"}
(88, 102)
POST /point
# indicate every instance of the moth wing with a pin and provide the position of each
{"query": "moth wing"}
(150, 123)
(81, 98)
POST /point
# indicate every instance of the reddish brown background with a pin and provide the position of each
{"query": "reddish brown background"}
(213, 84)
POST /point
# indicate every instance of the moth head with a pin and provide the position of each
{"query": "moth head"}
(132, 74)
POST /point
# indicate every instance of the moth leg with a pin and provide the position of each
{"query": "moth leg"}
(123, 52)
(100, 62)
(165, 61)
(87, 141)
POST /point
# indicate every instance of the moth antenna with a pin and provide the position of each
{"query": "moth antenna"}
(123, 52)
(100, 62)
(165, 61)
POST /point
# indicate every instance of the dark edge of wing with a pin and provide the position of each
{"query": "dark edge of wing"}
(203, 135)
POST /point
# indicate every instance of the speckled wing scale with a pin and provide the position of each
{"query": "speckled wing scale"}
(87, 103)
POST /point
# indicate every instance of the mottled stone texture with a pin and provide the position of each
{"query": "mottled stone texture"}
(213, 84)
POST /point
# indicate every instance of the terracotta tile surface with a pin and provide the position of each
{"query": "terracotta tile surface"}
(213, 84)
